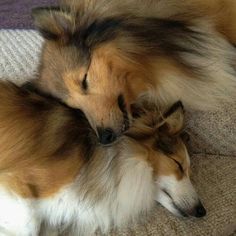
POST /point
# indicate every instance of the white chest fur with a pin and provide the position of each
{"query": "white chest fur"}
(120, 205)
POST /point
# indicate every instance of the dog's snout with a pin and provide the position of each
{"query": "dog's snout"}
(198, 211)
(106, 136)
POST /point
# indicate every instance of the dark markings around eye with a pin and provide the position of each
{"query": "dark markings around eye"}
(85, 82)
(165, 144)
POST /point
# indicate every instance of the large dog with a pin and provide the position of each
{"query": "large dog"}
(100, 56)
(53, 171)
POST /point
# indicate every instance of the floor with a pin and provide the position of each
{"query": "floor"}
(16, 14)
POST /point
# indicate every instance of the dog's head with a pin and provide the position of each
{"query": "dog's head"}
(172, 167)
(81, 66)
(170, 159)
(100, 58)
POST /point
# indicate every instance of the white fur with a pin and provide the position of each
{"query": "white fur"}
(17, 216)
(180, 193)
(129, 189)
(133, 195)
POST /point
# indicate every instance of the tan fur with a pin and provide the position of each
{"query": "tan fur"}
(221, 13)
(42, 180)
(43, 144)
(105, 66)
(162, 51)
(152, 126)
(163, 166)
(33, 161)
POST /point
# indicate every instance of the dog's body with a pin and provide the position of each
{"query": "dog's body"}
(99, 55)
(53, 171)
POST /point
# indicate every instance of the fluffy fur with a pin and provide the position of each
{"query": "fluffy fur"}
(54, 173)
(165, 50)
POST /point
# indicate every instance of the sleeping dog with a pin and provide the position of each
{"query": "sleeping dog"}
(54, 171)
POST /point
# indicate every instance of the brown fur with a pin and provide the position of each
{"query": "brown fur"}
(165, 50)
(43, 143)
(161, 135)
(46, 145)
(222, 13)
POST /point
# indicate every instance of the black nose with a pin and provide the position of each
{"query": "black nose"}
(200, 211)
(106, 136)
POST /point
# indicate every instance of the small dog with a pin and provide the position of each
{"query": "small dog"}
(100, 56)
(54, 172)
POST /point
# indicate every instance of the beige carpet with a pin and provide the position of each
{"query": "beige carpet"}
(19, 51)
(211, 132)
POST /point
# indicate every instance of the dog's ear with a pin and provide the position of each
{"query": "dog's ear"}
(54, 23)
(173, 120)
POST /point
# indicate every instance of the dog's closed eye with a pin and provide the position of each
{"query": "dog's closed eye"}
(85, 82)
(179, 165)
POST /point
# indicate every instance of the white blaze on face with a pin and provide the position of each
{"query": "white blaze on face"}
(178, 196)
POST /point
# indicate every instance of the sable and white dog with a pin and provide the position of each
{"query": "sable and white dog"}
(100, 55)
(53, 172)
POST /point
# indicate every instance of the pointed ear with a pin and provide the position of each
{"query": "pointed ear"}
(173, 120)
(54, 23)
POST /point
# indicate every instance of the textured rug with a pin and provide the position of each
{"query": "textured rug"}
(19, 54)
(16, 14)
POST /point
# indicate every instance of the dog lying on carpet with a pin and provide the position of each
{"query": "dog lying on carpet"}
(99, 56)
(54, 171)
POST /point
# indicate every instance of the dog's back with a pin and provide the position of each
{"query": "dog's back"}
(40, 135)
